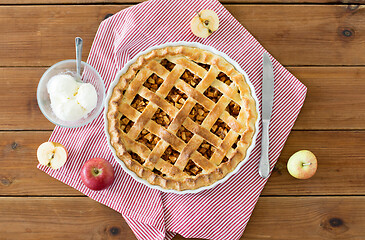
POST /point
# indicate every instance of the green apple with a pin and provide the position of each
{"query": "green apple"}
(302, 164)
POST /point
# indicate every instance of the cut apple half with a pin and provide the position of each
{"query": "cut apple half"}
(52, 154)
(204, 23)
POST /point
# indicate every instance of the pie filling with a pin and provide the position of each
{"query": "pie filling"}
(192, 169)
(125, 124)
(136, 157)
(206, 149)
(153, 82)
(224, 78)
(167, 64)
(170, 155)
(176, 97)
(184, 134)
(220, 128)
(161, 118)
(139, 103)
(198, 114)
(203, 65)
(213, 94)
(147, 138)
(233, 109)
(190, 78)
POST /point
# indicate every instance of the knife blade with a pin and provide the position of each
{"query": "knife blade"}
(267, 103)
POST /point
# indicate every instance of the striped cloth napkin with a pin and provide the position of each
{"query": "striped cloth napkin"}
(218, 213)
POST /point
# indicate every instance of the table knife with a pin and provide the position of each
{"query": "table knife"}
(267, 103)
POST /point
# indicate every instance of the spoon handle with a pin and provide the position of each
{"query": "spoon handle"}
(78, 44)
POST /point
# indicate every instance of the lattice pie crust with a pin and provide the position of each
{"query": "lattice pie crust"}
(181, 117)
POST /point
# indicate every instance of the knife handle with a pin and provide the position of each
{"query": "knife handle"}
(264, 164)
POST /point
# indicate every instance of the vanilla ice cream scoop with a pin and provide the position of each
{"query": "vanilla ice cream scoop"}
(71, 100)
(63, 84)
(69, 110)
(87, 96)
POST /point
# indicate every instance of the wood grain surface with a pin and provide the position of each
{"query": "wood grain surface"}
(320, 41)
(321, 109)
(339, 154)
(47, 218)
(295, 35)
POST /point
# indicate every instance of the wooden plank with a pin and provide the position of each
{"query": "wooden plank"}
(302, 218)
(307, 218)
(60, 218)
(44, 35)
(335, 98)
(329, 105)
(341, 157)
(341, 160)
(294, 34)
(20, 175)
(138, 1)
(81, 218)
(18, 99)
(306, 35)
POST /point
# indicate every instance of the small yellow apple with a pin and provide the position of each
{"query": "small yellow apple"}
(302, 164)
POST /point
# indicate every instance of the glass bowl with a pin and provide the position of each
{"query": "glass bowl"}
(88, 75)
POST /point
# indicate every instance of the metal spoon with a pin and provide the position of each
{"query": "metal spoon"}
(78, 44)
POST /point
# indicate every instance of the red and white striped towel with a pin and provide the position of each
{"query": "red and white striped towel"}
(218, 213)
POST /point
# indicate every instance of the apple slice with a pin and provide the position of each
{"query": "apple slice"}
(204, 23)
(52, 154)
(302, 164)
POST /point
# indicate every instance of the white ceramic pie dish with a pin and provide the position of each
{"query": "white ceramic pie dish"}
(189, 44)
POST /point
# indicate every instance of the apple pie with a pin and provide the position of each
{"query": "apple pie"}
(181, 117)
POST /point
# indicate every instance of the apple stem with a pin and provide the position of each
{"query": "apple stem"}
(96, 171)
(306, 164)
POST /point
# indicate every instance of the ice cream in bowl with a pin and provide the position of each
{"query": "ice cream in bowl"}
(68, 99)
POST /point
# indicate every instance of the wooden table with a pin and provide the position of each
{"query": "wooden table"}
(322, 42)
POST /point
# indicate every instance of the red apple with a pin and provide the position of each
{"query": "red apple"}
(302, 164)
(97, 174)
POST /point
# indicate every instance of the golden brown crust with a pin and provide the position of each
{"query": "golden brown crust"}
(147, 140)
